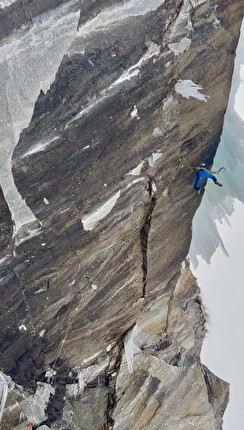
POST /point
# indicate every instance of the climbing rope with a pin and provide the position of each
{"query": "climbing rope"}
(184, 163)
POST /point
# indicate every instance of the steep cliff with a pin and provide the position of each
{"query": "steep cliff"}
(101, 319)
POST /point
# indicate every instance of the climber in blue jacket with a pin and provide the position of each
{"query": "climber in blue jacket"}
(202, 173)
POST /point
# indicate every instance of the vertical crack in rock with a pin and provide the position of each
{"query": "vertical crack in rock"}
(110, 381)
(144, 233)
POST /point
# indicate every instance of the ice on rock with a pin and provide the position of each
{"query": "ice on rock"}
(218, 203)
(84, 376)
(92, 218)
(187, 89)
(181, 29)
(130, 347)
(3, 393)
(5, 3)
(137, 170)
(34, 406)
(29, 60)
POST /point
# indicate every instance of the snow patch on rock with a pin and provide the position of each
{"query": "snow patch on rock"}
(137, 170)
(5, 3)
(154, 157)
(92, 218)
(188, 89)
(131, 348)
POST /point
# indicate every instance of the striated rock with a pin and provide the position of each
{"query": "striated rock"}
(99, 101)
(217, 394)
(167, 373)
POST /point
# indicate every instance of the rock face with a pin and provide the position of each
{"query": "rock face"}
(101, 325)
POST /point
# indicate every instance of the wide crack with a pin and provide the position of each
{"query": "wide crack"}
(144, 234)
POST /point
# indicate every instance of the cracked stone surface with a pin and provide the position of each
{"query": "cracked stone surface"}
(95, 216)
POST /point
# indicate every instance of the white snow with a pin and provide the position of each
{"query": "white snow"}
(137, 170)
(153, 158)
(187, 89)
(109, 347)
(196, 3)
(130, 347)
(22, 327)
(154, 187)
(91, 219)
(46, 201)
(181, 29)
(183, 265)
(126, 76)
(5, 3)
(29, 60)
(41, 334)
(134, 113)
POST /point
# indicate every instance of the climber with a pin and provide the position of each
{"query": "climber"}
(201, 173)
(29, 425)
